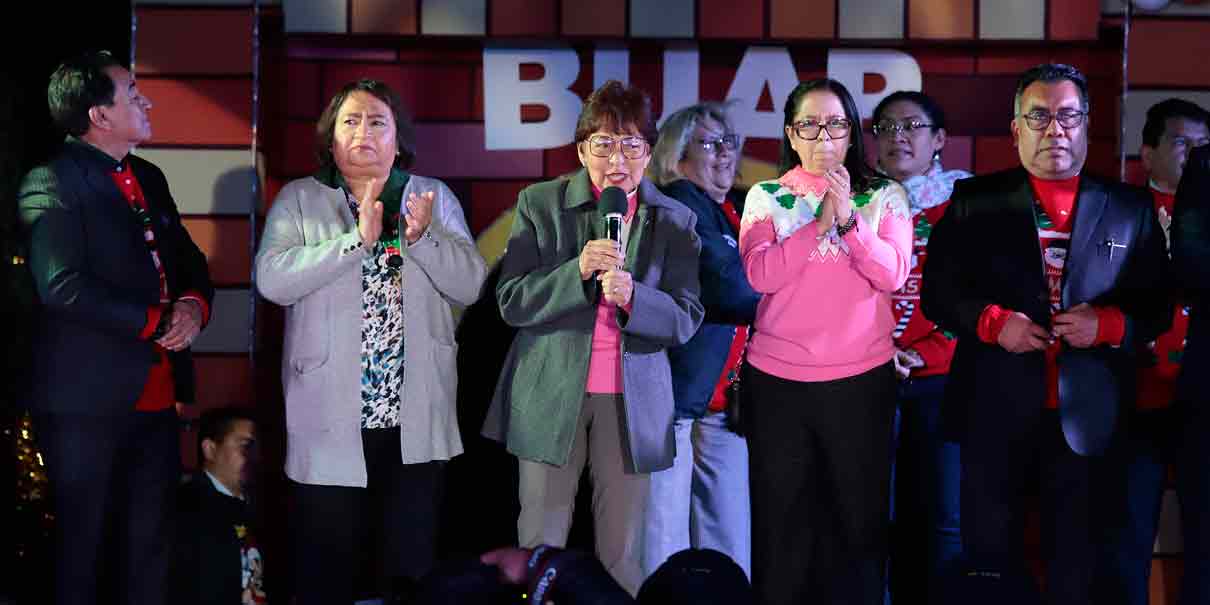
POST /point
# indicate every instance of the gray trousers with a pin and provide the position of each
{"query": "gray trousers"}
(548, 493)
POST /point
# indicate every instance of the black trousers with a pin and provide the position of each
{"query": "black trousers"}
(820, 472)
(113, 479)
(390, 524)
(1081, 500)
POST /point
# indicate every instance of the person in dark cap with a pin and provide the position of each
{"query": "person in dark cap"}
(697, 576)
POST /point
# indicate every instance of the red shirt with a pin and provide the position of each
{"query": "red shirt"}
(159, 391)
(912, 329)
(1161, 362)
(1054, 212)
(718, 401)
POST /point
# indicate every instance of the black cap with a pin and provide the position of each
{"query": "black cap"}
(700, 576)
(613, 201)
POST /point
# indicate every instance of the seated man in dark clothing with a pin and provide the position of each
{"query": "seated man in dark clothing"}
(217, 558)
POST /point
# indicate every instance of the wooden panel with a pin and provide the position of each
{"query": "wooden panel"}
(995, 153)
(227, 331)
(1012, 20)
(941, 19)
(560, 161)
(453, 17)
(206, 181)
(957, 153)
(222, 380)
(990, 116)
(303, 95)
(490, 199)
(169, 39)
(297, 150)
(857, 19)
(597, 18)
(729, 19)
(199, 111)
(664, 19)
(225, 243)
(524, 18)
(942, 61)
(1074, 19)
(457, 151)
(317, 16)
(802, 19)
(429, 92)
(383, 17)
(1159, 51)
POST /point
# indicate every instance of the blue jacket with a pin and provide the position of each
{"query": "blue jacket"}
(728, 298)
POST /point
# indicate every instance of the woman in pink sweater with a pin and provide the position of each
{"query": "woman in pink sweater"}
(826, 244)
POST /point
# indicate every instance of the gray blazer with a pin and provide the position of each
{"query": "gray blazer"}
(541, 388)
(310, 263)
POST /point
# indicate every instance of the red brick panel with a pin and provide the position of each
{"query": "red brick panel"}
(430, 92)
(811, 19)
(995, 153)
(200, 111)
(939, 61)
(989, 115)
(941, 19)
(295, 156)
(383, 17)
(730, 19)
(957, 153)
(303, 96)
(169, 41)
(489, 199)
(222, 380)
(1074, 19)
(597, 18)
(524, 18)
(224, 240)
(457, 151)
(1168, 52)
(559, 161)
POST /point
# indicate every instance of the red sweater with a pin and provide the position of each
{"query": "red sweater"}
(1055, 212)
(912, 329)
(1161, 363)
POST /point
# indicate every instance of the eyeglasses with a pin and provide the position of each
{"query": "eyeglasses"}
(716, 145)
(808, 130)
(891, 128)
(602, 146)
(1040, 120)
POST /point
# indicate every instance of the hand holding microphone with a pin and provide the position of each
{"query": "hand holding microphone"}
(601, 255)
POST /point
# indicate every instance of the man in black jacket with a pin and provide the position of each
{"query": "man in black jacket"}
(123, 292)
(218, 560)
(1191, 268)
(1048, 277)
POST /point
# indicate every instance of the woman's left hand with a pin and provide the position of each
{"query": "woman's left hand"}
(839, 190)
(419, 215)
(617, 287)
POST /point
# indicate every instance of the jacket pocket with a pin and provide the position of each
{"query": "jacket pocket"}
(308, 339)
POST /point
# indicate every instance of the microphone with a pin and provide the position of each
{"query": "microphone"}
(612, 206)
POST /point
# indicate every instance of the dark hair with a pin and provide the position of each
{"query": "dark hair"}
(1158, 115)
(861, 176)
(1051, 73)
(616, 106)
(78, 85)
(934, 112)
(216, 423)
(325, 129)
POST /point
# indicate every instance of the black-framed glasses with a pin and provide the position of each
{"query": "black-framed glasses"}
(602, 146)
(716, 145)
(808, 130)
(891, 128)
(1039, 119)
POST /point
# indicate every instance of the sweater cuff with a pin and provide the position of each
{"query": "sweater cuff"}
(153, 319)
(200, 300)
(991, 323)
(1111, 326)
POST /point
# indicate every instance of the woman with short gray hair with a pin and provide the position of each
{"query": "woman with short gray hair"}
(702, 501)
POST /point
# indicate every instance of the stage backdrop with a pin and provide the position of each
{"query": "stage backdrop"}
(495, 84)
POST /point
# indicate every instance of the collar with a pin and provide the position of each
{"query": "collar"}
(1156, 187)
(220, 488)
(88, 152)
(632, 201)
(392, 192)
(580, 191)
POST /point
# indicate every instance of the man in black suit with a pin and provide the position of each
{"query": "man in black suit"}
(1190, 253)
(1049, 278)
(123, 292)
(218, 559)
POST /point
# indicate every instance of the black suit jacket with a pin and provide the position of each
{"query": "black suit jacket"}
(1191, 267)
(96, 280)
(206, 566)
(985, 251)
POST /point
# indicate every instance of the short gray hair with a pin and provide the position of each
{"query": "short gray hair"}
(674, 138)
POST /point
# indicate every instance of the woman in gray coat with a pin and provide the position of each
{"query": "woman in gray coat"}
(587, 379)
(367, 260)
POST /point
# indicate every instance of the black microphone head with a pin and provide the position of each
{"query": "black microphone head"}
(613, 201)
